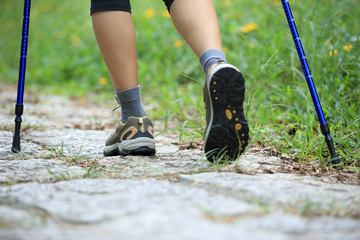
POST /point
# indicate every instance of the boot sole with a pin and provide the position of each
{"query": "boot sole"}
(140, 146)
(227, 132)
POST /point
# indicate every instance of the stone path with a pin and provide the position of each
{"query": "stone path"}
(62, 187)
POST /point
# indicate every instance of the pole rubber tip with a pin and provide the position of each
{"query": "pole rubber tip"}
(335, 160)
(16, 145)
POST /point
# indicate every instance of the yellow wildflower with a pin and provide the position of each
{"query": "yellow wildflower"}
(74, 39)
(348, 47)
(225, 3)
(103, 80)
(165, 14)
(179, 43)
(333, 52)
(276, 3)
(249, 27)
(150, 13)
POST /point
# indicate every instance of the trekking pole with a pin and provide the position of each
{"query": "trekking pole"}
(323, 125)
(19, 107)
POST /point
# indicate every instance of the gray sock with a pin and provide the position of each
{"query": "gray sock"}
(130, 103)
(209, 57)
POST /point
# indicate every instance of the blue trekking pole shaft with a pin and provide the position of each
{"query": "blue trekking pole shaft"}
(304, 64)
(19, 107)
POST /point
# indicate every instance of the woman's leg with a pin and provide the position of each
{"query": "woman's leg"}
(227, 129)
(115, 34)
(197, 23)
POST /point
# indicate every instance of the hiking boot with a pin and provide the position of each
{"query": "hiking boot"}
(227, 130)
(135, 137)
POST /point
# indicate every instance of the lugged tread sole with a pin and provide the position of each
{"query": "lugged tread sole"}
(143, 151)
(228, 131)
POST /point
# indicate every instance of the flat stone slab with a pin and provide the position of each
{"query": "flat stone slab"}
(30, 164)
(302, 195)
(49, 112)
(161, 165)
(150, 209)
(71, 142)
(28, 149)
(37, 170)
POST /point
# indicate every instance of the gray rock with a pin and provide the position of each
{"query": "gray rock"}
(252, 163)
(155, 166)
(28, 149)
(150, 209)
(72, 142)
(12, 217)
(112, 198)
(285, 192)
(37, 170)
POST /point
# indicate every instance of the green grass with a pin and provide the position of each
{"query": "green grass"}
(63, 58)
